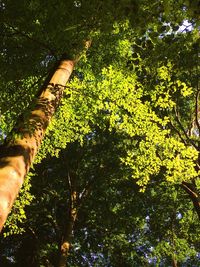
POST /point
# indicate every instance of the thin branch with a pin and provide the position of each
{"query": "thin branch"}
(85, 192)
(177, 131)
(183, 130)
(186, 27)
(198, 166)
(191, 188)
(69, 182)
(197, 108)
(193, 194)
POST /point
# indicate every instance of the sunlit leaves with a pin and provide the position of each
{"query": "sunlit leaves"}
(16, 97)
(180, 163)
(18, 216)
(127, 108)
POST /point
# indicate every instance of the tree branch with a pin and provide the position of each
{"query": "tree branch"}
(193, 194)
(177, 131)
(183, 130)
(197, 108)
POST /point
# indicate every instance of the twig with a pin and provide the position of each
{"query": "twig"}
(177, 131)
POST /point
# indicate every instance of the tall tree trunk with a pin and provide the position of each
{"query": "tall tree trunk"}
(67, 238)
(17, 154)
(174, 263)
(193, 194)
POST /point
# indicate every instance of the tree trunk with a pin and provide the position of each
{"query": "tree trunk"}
(174, 263)
(193, 194)
(67, 239)
(17, 154)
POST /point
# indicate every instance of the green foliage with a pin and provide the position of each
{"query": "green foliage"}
(16, 97)
(127, 126)
(14, 223)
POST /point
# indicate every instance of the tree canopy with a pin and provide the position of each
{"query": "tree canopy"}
(116, 179)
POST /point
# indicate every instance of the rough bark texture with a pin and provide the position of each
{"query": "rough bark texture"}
(193, 194)
(18, 152)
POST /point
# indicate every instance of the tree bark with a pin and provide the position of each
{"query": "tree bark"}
(67, 239)
(18, 152)
(193, 194)
(174, 263)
